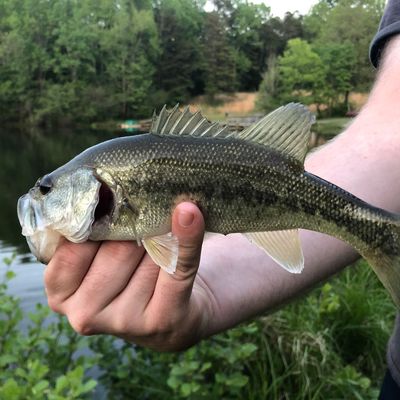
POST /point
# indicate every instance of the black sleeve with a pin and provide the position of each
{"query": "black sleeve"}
(389, 26)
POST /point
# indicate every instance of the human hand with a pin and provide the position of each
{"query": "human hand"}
(114, 287)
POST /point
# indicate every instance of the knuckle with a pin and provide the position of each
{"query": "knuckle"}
(48, 277)
(54, 304)
(82, 323)
(121, 325)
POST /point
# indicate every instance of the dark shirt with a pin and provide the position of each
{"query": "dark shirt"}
(389, 26)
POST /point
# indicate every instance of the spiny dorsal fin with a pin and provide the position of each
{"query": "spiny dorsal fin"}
(287, 129)
(184, 123)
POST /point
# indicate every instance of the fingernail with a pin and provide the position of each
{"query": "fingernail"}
(185, 219)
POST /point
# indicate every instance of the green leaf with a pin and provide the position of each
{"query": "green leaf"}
(40, 387)
(247, 349)
(10, 390)
(186, 389)
(61, 383)
(205, 366)
(173, 382)
(6, 359)
(10, 275)
(88, 386)
(238, 380)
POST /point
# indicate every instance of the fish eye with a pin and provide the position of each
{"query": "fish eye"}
(45, 185)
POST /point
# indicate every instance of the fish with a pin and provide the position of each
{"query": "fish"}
(251, 182)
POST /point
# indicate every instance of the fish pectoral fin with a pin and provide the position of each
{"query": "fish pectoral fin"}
(283, 247)
(163, 250)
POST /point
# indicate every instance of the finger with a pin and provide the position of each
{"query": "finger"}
(173, 289)
(66, 270)
(110, 272)
(124, 315)
(140, 288)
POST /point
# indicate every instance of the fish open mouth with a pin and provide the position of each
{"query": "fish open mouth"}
(105, 205)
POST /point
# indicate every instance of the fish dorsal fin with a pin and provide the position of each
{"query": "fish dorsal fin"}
(283, 247)
(287, 129)
(185, 123)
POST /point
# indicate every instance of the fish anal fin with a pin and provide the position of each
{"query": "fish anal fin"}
(283, 247)
(163, 250)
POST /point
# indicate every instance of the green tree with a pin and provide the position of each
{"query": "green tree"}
(130, 48)
(267, 98)
(76, 60)
(301, 74)
(27, 29)
(245, 32)
(347, 21)
(179, 25)
(276, 32)
(339, 60)
(219, 60)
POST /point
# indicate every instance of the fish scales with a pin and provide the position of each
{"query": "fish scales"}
(239, 186)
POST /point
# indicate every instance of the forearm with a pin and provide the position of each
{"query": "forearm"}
(364, 160)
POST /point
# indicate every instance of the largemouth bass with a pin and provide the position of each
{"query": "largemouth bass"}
(251, 182)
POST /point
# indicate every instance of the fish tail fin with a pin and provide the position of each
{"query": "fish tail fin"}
(386, 264)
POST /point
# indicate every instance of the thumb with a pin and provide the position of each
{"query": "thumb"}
(188, 227)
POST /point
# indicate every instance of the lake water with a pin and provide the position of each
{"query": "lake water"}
(24, 157)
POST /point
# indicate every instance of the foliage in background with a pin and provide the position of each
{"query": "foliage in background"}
(78, 61)
(301, 73)
(330, 345)
(267, 98)
(329, 60)
(347, 21)
(179, 66)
